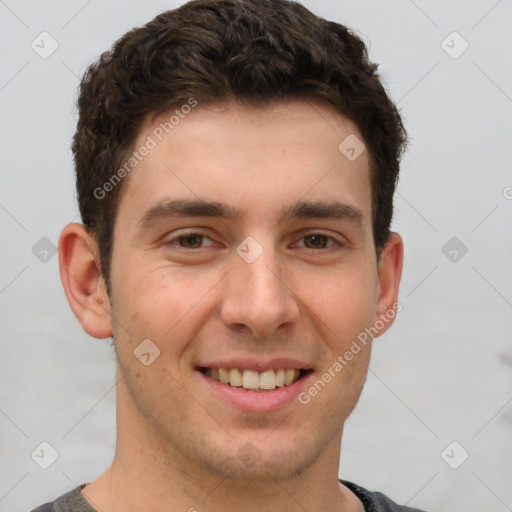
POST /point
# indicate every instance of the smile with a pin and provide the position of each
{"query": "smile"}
(252, 380)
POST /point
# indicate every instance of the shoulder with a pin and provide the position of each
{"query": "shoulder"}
(73, 501)
(376, 501)
(47, 507)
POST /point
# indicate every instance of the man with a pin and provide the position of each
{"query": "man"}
(236, 162)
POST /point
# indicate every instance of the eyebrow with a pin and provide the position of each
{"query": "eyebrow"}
(213, 209)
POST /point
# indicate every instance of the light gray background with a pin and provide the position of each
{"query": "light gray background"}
(443, 373)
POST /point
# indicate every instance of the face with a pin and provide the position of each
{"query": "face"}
(243, 251)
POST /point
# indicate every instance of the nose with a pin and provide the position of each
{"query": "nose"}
(258, 297)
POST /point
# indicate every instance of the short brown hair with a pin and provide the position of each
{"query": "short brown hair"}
(255, 51)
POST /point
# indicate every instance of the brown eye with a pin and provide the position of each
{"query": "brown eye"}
(191, 241)
(316, 241)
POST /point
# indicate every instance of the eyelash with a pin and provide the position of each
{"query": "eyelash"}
(331, 242)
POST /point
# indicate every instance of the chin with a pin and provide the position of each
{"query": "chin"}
(256, 459)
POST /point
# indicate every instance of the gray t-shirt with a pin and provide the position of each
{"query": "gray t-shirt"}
(73, 501)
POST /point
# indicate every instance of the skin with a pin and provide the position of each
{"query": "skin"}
(177, 442)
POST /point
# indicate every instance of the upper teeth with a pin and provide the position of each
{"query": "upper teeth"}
(251, 379)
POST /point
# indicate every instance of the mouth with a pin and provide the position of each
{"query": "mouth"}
(254, 381)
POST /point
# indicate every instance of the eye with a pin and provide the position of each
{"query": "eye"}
(317, 241)
(191, 241)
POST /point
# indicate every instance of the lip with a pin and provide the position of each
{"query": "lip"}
(249, 401)
(257, 365)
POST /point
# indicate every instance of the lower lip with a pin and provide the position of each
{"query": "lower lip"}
(256, 402)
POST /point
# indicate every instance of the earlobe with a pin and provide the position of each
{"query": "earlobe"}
(82, 281)
(390, 272)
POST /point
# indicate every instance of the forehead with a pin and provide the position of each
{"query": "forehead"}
(254, 158)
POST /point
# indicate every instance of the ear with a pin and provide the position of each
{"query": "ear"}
(82, 281)
(390, 272)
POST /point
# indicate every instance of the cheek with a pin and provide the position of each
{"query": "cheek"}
(343, 302)
(163, 305)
